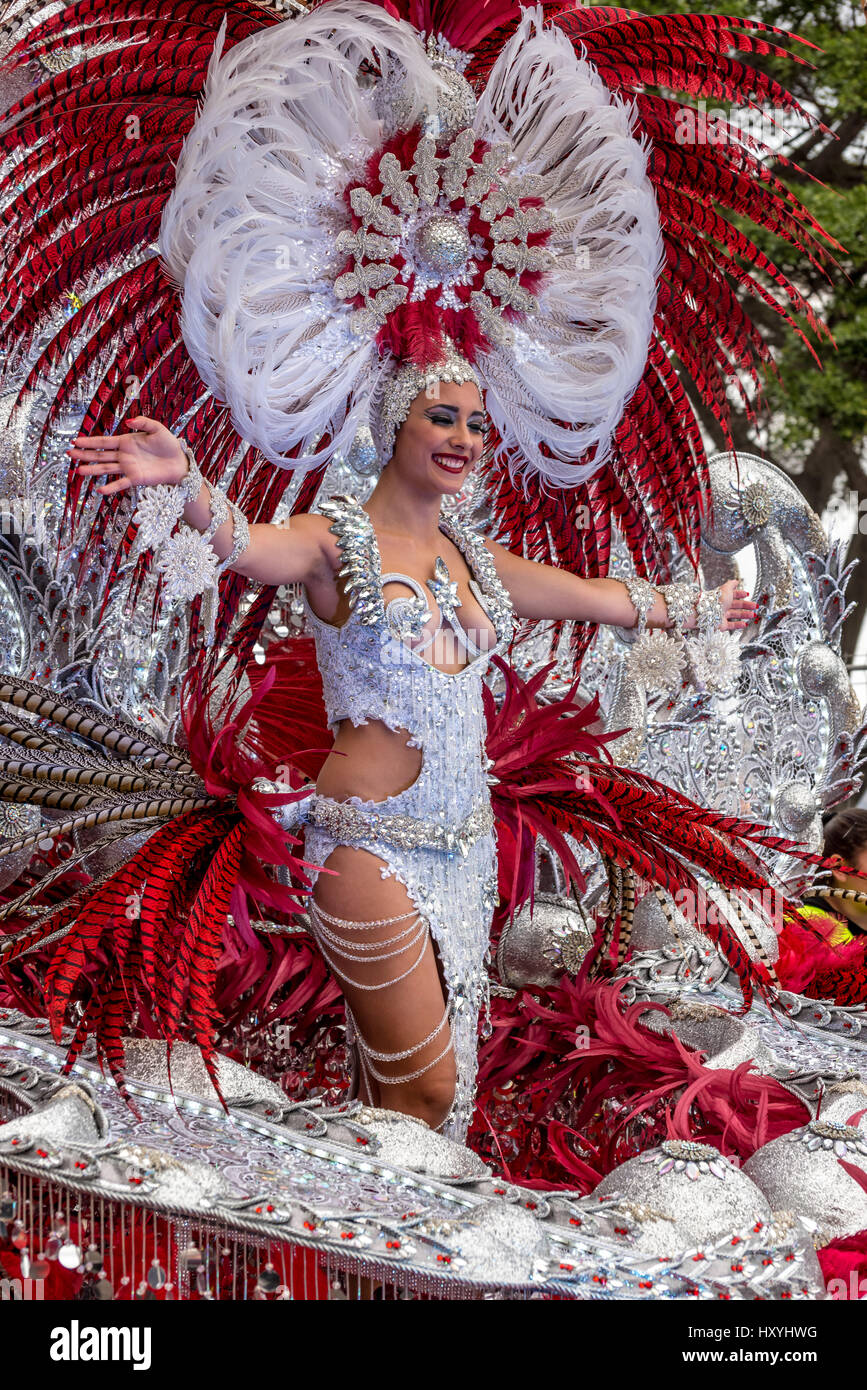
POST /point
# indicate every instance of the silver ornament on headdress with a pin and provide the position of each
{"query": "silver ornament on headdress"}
(442, 244)
(456, 100)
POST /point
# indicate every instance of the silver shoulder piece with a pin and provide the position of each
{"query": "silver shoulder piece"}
(362, 566)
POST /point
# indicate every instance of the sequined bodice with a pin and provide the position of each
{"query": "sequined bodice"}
(373, 667)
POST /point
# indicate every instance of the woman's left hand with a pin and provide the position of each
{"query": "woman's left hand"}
(739, 610)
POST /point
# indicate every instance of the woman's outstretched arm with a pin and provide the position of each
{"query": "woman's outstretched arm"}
(149, 455)
(543, 591)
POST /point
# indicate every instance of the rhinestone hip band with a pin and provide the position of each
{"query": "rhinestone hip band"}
(346, 822)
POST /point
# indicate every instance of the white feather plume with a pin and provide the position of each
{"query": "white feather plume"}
(580, 357)
(250, 229)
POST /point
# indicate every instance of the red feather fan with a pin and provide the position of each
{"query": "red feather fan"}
(148, 939)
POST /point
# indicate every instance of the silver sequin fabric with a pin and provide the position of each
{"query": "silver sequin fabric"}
(368, 674)
(695, 1196)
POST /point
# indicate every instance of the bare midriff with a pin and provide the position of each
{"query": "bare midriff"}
(370, 761)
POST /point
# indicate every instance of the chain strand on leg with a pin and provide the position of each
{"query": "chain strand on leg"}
(422, 934)
(410, 1075)
(363, 953)
(408, 1052)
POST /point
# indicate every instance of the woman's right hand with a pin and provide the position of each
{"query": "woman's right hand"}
(149, 454)
(145, 456)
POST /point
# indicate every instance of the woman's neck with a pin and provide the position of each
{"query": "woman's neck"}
(409, 512)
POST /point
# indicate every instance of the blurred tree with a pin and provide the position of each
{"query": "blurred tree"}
(814, 424)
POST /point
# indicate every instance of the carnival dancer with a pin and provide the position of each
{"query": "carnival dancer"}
(384, 237)
(407, 608)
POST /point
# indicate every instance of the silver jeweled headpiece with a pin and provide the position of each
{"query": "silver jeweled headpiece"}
(389, 409)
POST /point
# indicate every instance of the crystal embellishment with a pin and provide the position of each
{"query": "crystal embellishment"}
(715, 661)
(444, 590)
(347, 823)
(158, 512)
(684, 1156)
(472, 546)
(680, 602)
(656, 661)
(841, 1139)
(188, 564)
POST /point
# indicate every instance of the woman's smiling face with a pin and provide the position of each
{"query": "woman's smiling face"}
(442, 437)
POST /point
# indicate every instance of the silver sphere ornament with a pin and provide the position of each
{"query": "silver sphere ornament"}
(442, 244)
(796, 808)
(803, 1171)
(822, 673)
(690, 1194)
(544, 939)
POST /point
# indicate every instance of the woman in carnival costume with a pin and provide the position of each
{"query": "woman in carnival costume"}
(823, 953)
(431, 241)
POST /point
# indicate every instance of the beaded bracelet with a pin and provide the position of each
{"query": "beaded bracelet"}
(192, 482)
(709, 611)
(680, 604)
(642, 596)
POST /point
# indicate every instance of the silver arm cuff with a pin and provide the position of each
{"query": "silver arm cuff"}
(642, 596)
(240, 536)
(219, 507)
(680, 604)
(709, 611)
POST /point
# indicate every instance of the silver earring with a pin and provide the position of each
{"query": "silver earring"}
(363, 455)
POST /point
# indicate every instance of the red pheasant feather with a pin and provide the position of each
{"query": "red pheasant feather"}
(552, 783)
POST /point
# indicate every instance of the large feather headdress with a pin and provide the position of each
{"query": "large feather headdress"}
(344, 201)
(267, 125)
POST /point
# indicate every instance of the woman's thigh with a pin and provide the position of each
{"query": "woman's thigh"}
(409, 1004)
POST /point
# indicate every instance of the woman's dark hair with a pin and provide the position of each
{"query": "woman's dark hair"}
(846, 833)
